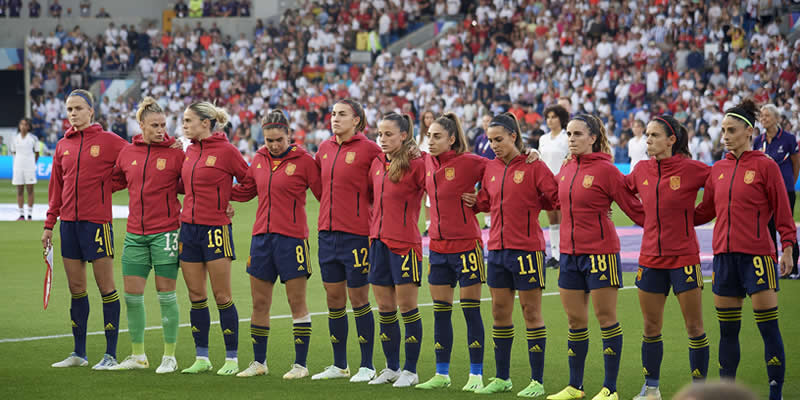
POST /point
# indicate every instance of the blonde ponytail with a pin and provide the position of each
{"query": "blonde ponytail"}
(146, 106)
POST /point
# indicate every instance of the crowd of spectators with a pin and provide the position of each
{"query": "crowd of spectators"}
(206, 8)
(15, 8)
(624, 61)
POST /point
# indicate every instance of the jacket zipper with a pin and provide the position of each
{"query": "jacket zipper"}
(330, 209)
(77, 173)
(600, 222)
(358, 204)
(502, 189)
(730, 199)
(436, 200)
(571, 216)
(686, 221)
(141, 192)
(219, 202)
(102, 192)
(405, 209)
(529, 223)
(380, 221)
(169, 212)
(294, 211)
(194, 200)
(758, 224)
(463, 213)
(269, 196)
(658, 212)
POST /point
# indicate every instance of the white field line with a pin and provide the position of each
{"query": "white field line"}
(286, 316)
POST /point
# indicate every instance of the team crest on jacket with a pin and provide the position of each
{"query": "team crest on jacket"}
(450, 173)
(210, 161)
(95, 150)
(587, 181)
(161, 163)
(290, 167)
(749, 176)
(519, 176)
(350, 157)
(674, 182)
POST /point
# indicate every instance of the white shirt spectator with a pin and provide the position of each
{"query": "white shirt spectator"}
(384, 24)
(453, 7)
(24, 150)
(637, 150)
(554, 150)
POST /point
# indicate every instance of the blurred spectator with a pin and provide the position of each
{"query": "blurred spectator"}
(55, 9)
(181, 9)
(14, 8)
(86, 8)
(102, 13)
(34, 9)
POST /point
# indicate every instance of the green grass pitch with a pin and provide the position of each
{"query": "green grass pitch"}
(25, 370)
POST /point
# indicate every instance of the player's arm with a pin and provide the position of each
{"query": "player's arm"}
(246, 189)
(314, 179)
(705, 211)
(627, 201)
(546, 186)
(118, 179)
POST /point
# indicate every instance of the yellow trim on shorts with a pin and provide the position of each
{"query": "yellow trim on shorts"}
(107, 235)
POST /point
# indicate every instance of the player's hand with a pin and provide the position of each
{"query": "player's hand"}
(469, 199)
(47, 238)
(230, 211)
(176, 145)
(533, 155)
(787, 263)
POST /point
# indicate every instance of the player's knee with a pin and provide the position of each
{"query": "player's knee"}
(221, 297)
(406, 305)
(694, 328)
(652, 327)
(260, 305)
(75, 287)
(336, 300)
(577, 321)
(532, 314)
(502, 311)
(359, 296)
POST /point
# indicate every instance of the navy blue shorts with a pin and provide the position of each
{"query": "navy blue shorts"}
(86, 241)
(656, 280)
(465, 268)
(343, 256)
(390, 269)
(204, 243)
(273, 255)
(737, 274)
(515, 269)
(589, 271)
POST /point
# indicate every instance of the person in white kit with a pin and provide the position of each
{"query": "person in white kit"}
(25, 149)
(553, 150)
(637, 146)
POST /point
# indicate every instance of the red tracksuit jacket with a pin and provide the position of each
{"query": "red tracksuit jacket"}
(152, 174)
(280, 184)
(448, 176)
(668, 189)
(744, 194)
(395, 210)
(346, 184)
(207, 173)
(515, 194)
(586, 187)
(80, 182)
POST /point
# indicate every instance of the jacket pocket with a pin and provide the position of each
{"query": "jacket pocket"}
(219, 200)
(600, 222)
(405, 212)
(686, 221)
(758, 224)
(102, 192)
(166, 197)
(294, 211)
(358, 204)
(529, 223)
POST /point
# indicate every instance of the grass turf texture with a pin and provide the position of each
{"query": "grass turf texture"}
(26, 372)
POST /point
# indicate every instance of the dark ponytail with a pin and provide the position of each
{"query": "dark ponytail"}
(675, 128)
(275, 119)
(510, 123)
(358, 110)
(449, 122)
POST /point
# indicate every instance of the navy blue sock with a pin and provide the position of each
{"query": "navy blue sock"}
(475, 334)
(229, 323)
(503, 339)
(111, 321)
(612, 351)
(79, 314)
(774, 355)
(337, 326)
(442, 335)
(730, 321)
(200, 318)
(412, 321)
(698, 357)
(537, 339)
(390, 339)
(577, 348)
(302, 338)
(260, 336)
(652, 354)
(365, 327)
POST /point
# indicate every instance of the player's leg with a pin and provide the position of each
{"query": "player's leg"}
(296, 294)
(334, 278)
(442, 296)
(21, 201)
(470, 297)
(765, 312)
(652, 306)
(358, 292)
(389, 332)
(103, 269)
(194, 275)
(79, 309)
(536, 334)
(134, 284)
(604, 301)
(729, 294)
(219, 273)
(502, 331)
(406, 295)
(576, 306)
(166, 282)
(691, 302)
(29, 189)
(261, 292)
